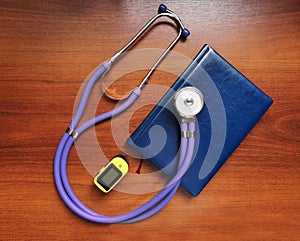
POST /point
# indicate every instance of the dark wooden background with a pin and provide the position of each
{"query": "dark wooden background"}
(47, 50)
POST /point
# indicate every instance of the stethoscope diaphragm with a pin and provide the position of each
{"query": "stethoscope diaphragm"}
(189, 101)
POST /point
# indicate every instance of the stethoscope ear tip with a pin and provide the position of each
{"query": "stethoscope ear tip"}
(162, 8)
(185, 33)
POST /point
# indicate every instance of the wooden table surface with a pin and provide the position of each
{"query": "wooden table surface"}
(47, 50)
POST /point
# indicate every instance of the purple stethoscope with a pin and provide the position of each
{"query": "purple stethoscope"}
(188, 102)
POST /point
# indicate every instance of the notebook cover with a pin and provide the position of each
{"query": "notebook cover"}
(233, 105)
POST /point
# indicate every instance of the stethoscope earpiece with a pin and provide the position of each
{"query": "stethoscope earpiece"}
(183, 33)
(162, 8)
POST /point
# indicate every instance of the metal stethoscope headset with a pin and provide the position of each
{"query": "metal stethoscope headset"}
(188, 102)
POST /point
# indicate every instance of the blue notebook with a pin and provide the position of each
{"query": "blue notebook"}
(232, 107)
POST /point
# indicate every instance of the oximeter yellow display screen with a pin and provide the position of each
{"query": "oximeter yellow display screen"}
(109, 177)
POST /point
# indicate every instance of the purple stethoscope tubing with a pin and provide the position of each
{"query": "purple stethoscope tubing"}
(64, 188)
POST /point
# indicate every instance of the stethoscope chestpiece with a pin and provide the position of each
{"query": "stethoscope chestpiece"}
(189, 101)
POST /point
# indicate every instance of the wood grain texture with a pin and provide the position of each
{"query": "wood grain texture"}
(47, 50)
